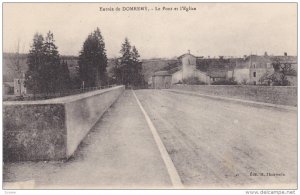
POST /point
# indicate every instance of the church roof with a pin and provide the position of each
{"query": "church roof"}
(8, 84)
(186, 54)
(162, 73)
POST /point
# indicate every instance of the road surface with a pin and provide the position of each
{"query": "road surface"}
(211, 143)
(219, 144)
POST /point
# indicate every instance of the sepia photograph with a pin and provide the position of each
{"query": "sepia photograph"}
(150, 96)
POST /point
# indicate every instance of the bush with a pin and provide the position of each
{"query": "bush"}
(193, 81)
(230, 81)
(274, 79)
(244, 82)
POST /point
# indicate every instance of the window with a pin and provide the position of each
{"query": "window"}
(254, 66)
(254, 74)
(254, 82)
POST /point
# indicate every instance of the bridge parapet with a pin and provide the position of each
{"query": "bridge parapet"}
(52, 129)
(282, 95)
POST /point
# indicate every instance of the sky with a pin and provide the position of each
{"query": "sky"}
(213, 29)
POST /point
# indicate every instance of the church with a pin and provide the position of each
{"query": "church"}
(188, 69)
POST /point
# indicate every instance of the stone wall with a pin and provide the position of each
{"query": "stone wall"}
(283, 95)
(52, 129)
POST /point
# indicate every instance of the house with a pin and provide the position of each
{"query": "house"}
(16, 88)
(188, 69)
(216, 68)
(250, 69)
(19, 87)
(217, 75)
(289, 62)
(161, 80)
(8, 88)
(207, 70)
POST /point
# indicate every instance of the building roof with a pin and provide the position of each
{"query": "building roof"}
(215, 64)
(175, 69)
(8, 84)
(162, 73)
(259, 61)
(183, 55)
(285, 59)
(292, 60)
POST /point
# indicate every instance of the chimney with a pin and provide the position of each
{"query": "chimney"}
(285, 53)
(189, 52)
(266, 54)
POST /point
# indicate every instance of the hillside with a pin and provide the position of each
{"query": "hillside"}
(149, 65)
(152, 65)
(10, 60)
(9, 68)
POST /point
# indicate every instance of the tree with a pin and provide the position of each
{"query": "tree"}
(279, 76)
(125, 51)
(50, 70)
(282, 70)
(117, 71)
(64, 80)
(35, 61)
(93, 60)
(128, 69)
(45, 72)
(137, 68)
(126, 62)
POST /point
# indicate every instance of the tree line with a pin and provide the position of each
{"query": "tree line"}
(48, 73)
(127, 69)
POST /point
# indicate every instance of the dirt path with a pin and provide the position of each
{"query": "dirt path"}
(216, 144)
(119, 152)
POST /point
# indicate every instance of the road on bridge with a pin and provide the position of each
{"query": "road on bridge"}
(210, 143)
(218, 144)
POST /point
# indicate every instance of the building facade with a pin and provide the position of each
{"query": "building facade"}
(250, 69)
(161, 80)
(188, 69)
(19, 87)
(8, 88)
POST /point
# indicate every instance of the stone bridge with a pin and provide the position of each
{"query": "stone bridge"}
(151, 139)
